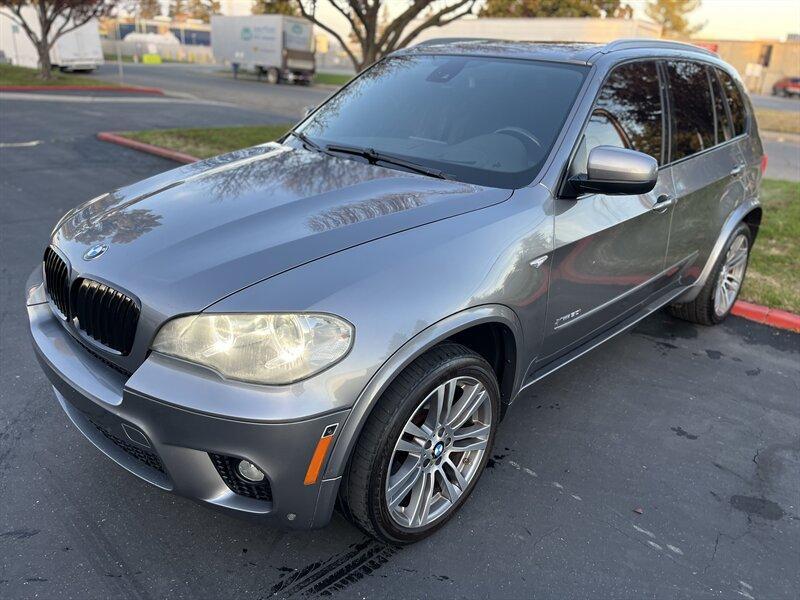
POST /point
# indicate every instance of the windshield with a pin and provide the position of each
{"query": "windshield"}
(487, 121)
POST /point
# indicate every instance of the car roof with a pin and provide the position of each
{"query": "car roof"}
(570, 52)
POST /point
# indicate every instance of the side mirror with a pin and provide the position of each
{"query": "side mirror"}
(612, 170)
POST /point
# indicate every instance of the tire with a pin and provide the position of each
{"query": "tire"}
(705, 309)
(273, 76)
(363, 494)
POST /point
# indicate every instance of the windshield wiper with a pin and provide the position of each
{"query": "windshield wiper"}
(374, 156)
(307, 140)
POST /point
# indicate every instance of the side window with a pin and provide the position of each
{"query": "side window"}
(735, 102)
(692, 109)
(723, 124)
(627, 114)
(632, 96)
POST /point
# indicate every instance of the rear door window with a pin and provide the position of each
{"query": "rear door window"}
(692, 109)
(735, 102)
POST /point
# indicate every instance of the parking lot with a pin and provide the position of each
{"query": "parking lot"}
(664, 464)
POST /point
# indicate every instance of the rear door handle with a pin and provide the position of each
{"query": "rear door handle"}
(737, 170)
(662, 203)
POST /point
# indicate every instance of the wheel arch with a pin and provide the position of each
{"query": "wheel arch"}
(465, 327)
(749, 212)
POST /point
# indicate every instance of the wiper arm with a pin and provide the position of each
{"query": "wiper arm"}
(374, 156)
(307, 140)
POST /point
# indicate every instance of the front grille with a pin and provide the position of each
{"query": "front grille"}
(104, 314)
(148, 457)
(226, 467)
(56, 276)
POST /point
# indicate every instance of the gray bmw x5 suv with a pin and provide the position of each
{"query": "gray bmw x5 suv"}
(347, 314)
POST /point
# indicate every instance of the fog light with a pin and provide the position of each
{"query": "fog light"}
(249, 471)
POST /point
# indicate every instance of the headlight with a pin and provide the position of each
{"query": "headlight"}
(273, 349)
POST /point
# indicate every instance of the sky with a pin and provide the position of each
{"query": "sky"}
(725, 19)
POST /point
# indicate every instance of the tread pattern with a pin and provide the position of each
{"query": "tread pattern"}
(355, 492)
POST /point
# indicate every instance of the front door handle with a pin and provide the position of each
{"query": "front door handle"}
(662, 203)
(737, 170)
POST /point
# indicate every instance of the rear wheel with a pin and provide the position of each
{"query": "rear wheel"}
(715, 301)
(272, 76)
(424, 446)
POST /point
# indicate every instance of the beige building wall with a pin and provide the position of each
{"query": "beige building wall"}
(545, 30)
(784, 60)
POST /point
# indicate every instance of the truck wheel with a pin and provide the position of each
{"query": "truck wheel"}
(424, 446)
(716, 299)
(273, 76)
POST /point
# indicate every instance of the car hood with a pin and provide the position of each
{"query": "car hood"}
(184, 239)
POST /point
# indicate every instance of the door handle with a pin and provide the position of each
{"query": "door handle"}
(737, 170)
(662, 203)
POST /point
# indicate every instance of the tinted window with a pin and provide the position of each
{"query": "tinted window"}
(488, 121)
(723, 124)
(632, 97)
(602, 130)
(692, 109)
(735, 102)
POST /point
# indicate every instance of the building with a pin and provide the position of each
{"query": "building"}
(546, 30)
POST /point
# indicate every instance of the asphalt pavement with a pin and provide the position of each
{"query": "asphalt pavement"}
(662, 465)
(212, 82)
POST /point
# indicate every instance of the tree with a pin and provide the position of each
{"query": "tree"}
(275, 7)
(177, 8)
(147, 9)
(45, 21)
(374, 38)
(672, 16)
(202, 9)
(556, 8)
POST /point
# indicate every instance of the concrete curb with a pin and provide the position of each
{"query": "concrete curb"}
(773, 317)
(81, 88)
(115, 138)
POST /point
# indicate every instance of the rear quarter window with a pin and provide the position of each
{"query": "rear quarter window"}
(735, 102)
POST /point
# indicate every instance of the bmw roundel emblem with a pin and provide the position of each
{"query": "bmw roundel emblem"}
(95, 251)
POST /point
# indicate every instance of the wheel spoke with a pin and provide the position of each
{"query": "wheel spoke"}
(400, 488)
(460, 480)
(478, 430)
(466, 406)
(421, 500)
(417, 432)
(450, 490)
(410, 447)
(470, 445)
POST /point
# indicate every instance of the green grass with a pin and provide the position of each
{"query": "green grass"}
(206, 142)
(16, 76)
(784, 121)
(331, 78)
(773, 277)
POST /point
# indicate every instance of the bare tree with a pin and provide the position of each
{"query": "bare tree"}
(377, 38)
(54, 18)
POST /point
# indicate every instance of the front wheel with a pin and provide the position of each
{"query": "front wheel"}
(715, 301)
(424, 446)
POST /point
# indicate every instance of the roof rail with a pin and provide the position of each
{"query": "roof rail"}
(451, 40)
(628, 44)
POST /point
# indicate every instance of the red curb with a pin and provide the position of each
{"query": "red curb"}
(81, 88)
(768, 316)
(114, 138)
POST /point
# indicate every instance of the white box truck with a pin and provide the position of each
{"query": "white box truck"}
(78, 50)
(277, 47)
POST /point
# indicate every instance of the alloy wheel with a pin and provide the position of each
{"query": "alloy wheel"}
(439, 452)
(730, 278)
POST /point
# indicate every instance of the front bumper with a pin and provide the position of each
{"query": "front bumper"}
(175, 448)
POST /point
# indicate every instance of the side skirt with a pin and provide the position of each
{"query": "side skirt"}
(614, 331)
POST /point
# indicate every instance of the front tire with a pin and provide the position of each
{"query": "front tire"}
(715, 301)
(424, 446)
